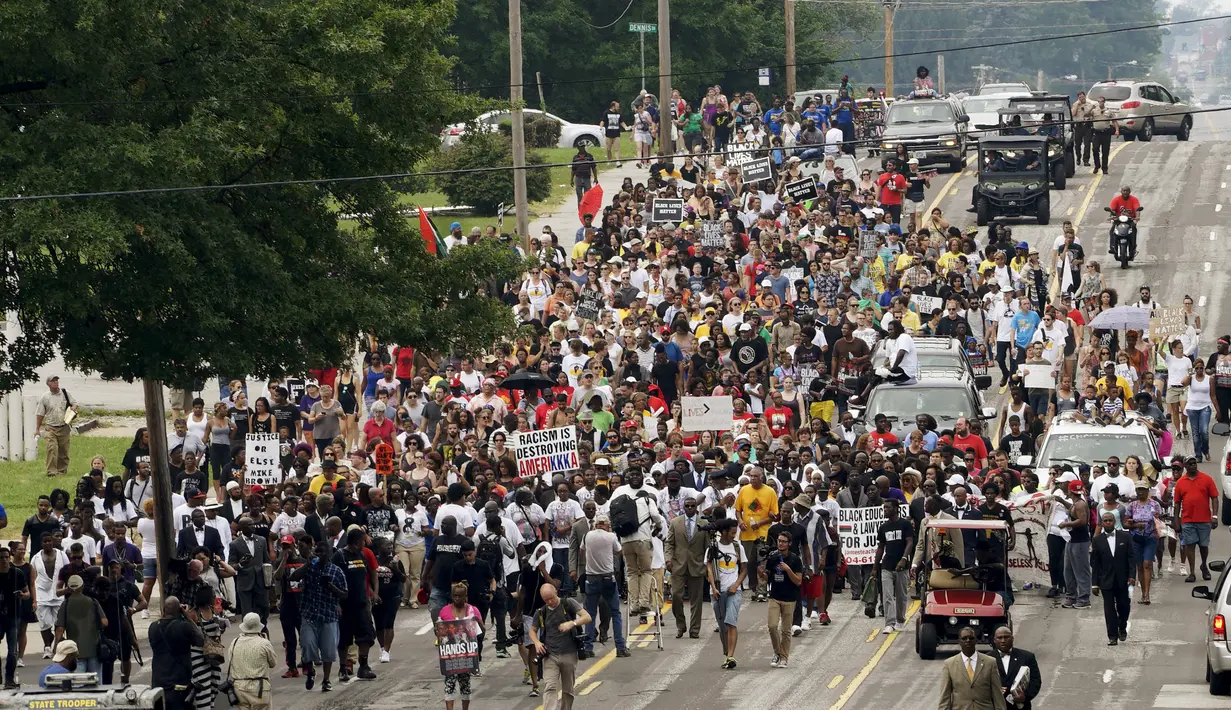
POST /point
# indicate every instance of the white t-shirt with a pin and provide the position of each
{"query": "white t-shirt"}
(572, 365)
(88, 546)
(1177, 369)
(514, 538)
(560, 513)
(729, 558)
(1125, 485)
(910, 361)
(145, 528)
(463, 514)
(1004, 314)
(672, 506)
(410, 527)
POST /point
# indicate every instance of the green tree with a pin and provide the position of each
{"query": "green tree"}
(130, 94)
(486, 190)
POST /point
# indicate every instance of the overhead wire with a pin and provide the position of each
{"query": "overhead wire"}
(471, 171)
(638, 77)
(612, 23)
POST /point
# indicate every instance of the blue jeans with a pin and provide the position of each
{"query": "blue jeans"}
(812, 154)
(437, 600)
(9, 631)
(603, 589)
(1199, 424)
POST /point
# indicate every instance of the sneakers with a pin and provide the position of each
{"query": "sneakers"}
(1171, 566)
(1067, 604)
(384, 656)
(500, 653)
(807, 623)
(774, 663)
(476, 673)
(525, 677)
(888, 629)
(414, 605)
(825, 619)
(534, 692)
(815, 614)
(783, 663)
(46, 651)
(729, 664)
(309, 678)
(899, 627)
(145, 613)
(1053, 593)
(291, 673)
(1027, 586)
(326, 686)
(1082, 605)
(343, 675)
(21, 663)
(365, 673)
(623, 653)
(797, 630)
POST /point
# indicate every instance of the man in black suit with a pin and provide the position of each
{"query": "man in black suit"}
(1111, 560)
(249, 555)
(198, 534)
(1010, 662)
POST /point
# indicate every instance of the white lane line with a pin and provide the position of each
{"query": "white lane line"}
(1201, 302)
(1218, 208)
(1107, 674)
(1213, 235)
(1224, 184)
(424, 629)
(1208, 266)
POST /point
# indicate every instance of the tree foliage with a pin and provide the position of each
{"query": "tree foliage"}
(584, 68)
(486, 190)
(132, 94)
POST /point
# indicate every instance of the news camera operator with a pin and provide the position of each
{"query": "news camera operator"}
(785, 571)
(171, 640)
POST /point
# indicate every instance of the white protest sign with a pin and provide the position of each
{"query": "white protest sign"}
(545, 452)
(707, 413)
(1028, 560)
(1165, 322)
(924, 305)
(262, 458)
(857, 527)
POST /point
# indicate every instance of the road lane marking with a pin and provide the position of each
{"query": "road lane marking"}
(834, 683)
(866, 671)
(1107, 675)
(1208, 266)
(1218, 208)
(1213, 235)
(424, 629)
(953, 192)
(590, 688)
(943, 191)
(1082, 188)
(1054, 291)
(1201, 302)
(872, 635)
(1224, 185)
(1070, 212)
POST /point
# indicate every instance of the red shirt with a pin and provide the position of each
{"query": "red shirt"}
(970, 442)
(404, 369)
(325, 377)
(878, 440)
(1131, 205)
(779, 421)
(890, 184)
(383, 431)
(1194, 496)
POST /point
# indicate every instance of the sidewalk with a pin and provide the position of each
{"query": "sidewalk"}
(564, 220)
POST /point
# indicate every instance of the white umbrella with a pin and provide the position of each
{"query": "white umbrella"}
(1122, 318)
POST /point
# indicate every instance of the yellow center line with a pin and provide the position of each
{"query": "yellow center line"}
(834, 683)
(1081, 214)
(1070, 212)
(590, 688)
(943, 191)
(871, 636)
(866, 671)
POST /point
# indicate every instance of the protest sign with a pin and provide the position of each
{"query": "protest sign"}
(707, 413)
(458, 646)
(546, 451)
(1166, 322)
(262, 458)
(1038, 376)
(590, 305)
(737, 155)
(1028, 560)
(711, 235)
(978, 363)
(383, 453)
(802, 190)
(867, 244)
(857, 527)
(668, 210)
(924, 305)
(756, 170)
(295, 387)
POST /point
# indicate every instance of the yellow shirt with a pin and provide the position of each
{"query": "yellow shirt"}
(1126, 392)
(910, 321)
(317, 481)
(946, 261)
(903, 263)
(580, 249)
(755, 506)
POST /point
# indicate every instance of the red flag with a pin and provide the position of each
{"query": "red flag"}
(431, 236)
(591, 202)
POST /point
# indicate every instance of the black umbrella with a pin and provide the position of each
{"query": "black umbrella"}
(527, 380)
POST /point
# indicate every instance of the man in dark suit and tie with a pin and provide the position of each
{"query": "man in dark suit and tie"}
(248, 555)
(1111, 561)
(196, 535)
(685, 556)
(1010, 662)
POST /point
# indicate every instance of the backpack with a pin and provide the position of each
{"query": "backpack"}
(489, 553)
(624, 519)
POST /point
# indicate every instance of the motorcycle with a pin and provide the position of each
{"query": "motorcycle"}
(1123, 236)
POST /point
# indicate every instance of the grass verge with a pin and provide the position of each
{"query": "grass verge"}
(25, 481)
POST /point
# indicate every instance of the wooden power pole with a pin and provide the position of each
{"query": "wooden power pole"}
(788, 13)
(665, 145)
(890, 7)
(516, 102)
(160, 469)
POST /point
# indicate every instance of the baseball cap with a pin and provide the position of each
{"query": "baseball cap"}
(604, 461)
(455, 225)
(288, 539)
(1023, 245)
(75, 582)
(232, 485)
(745, 326)
(955, 480)
(1142, 484)
(1075, 486)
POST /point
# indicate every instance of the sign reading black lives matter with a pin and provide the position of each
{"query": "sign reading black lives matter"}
(711, 235)
(867, 244)
(545, 452)
(756, 170)
(261, 452)
(802, 190)
(668, 210)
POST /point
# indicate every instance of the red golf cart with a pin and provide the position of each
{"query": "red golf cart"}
(957, 592)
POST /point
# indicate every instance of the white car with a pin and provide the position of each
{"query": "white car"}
(1075, 443)
(983, 111)
(572, 135)
(1005, 87)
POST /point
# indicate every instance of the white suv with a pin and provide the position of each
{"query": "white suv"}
(1075, 442)
(1144, 109)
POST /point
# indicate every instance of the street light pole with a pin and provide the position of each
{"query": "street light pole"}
(664, 78)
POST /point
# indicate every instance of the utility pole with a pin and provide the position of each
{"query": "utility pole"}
(164, 528)
(890, 8)
(664, 78)
(519, 125)
(788, 13)
(940, 73)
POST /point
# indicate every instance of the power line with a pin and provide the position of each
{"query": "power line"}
(638, 77)
(610, 24)
(469, 171)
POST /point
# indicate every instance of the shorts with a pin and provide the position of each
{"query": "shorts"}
(613, 137)
(643, 137)
(823, 410)
(319, 641)
(1175, 395)
(911, 207)
(814, 588)
(355, 626)
(178, 399)
(1195, 534)
(47, 614)
(149, 567)
(726, 607)
(1144, 548)
(384, 615)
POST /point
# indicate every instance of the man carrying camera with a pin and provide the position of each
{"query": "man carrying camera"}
(171, 640)
(726, 568)
(552, 633)
(785, 572)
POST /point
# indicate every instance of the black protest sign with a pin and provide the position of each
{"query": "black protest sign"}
(756, 170)
(668, 210)
(867, 243)
(802, 190)
(591, 305)
(712, 235)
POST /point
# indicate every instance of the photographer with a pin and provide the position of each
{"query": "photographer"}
(725, 569)
(171, 640)
(785, 571)
(600, 548)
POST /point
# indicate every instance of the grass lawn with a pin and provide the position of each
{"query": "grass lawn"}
(25, 481)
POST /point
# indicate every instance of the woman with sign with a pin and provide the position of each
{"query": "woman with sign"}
(456, 662)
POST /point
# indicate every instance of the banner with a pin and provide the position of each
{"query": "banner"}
(591, 305)
(545, 452)
(1028, 558)
(711, 235)
(458, 646)
(262, 458)
(801, 190)
(924, 305)
(857, 527)
(867, 243)
(707, 413)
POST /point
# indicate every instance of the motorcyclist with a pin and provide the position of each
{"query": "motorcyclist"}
(1131, 206)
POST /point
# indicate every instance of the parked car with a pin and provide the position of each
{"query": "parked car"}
(947, 393)
(572, 135)
(1217, 649)
(1144, 109)
(932, 129)
(1008, 87)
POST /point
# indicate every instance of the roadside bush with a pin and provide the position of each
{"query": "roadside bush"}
(541, 132)
(484, 191)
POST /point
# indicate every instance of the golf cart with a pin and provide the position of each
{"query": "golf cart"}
(1048, 118)
(957, 592)
(1013, 180)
